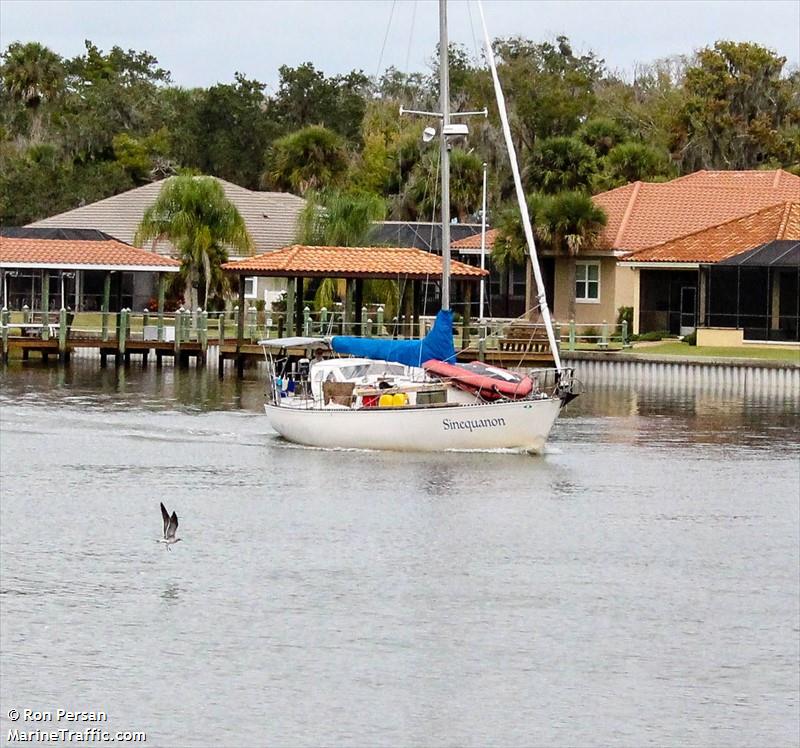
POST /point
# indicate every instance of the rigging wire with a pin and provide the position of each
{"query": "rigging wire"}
(472, 29)
(410, 37)
(433, 206)
(385, 39)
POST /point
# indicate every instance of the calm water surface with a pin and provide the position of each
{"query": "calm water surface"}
(637, 585)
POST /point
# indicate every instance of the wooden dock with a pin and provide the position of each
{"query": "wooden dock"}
(187, 340)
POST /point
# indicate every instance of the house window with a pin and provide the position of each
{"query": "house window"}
(587, 282)
(518, 281)
(249, 288)
(494, 283)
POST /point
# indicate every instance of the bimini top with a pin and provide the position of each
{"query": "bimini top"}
(296, 342)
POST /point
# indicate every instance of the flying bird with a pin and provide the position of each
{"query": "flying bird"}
(170, 526)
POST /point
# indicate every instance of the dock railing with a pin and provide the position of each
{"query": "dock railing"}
(210, 328)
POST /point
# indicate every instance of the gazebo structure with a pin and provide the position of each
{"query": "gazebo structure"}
(407, 265)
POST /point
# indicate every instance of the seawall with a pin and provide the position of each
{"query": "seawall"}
(745, 375)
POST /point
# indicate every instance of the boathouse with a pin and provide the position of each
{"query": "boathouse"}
(409, 266)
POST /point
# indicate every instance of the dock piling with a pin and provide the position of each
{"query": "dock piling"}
(62, 336)
(105, 306)
(202, 335)
(178, 334)
(45, 307)
(252, 313)
(5, 316)
(123, 335)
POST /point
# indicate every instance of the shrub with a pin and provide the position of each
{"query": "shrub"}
(654, 335)
(691, 338)
(625, 314)
(590, 335)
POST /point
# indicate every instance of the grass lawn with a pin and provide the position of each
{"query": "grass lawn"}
(678, 348)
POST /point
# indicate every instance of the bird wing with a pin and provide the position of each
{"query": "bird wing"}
(165, 517)
(173, 525)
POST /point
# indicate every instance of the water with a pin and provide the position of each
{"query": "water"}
(637, 585)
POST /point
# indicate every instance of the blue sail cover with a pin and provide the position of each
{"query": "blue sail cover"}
(437, 344)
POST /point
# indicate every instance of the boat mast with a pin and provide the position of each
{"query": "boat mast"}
(483, 243)
(444, 103)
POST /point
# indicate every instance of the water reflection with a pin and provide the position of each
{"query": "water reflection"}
(195, 389)
(665, 414)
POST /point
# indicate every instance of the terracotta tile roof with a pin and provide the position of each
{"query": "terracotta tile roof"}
(474, 241)
(642, 214)
(270, 217)
(77, 253)
(343, 262)
(781, 221)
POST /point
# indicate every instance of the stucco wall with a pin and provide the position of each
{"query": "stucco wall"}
(605, 309)
(626, 281)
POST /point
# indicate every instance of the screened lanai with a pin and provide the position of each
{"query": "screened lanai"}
(757, 291)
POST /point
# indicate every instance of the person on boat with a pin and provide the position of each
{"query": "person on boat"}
(318, 356)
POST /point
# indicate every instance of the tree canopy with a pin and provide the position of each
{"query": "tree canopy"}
(75, 130)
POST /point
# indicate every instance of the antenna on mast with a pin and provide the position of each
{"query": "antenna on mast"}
(447, 133)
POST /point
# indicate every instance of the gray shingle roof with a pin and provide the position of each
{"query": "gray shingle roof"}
(271, 217)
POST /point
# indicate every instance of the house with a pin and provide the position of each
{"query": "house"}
(743, 275)
(643, 215)
(506, 289)
(270, 217)
(47, 269)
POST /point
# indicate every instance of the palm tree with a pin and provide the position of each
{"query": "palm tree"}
(510, 247)
(313, 158)
(631, 162)
(572, 225)
(339, 218)
(32, 74)
(344, 219)
(602, 134)
(566, 224)
(561, 163)
(195, 216)
(466, 181)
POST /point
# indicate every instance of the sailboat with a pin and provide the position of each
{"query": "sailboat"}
(411, 395)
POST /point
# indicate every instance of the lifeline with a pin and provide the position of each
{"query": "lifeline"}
(483, 423)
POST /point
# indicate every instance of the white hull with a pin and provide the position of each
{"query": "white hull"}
(520, 424)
